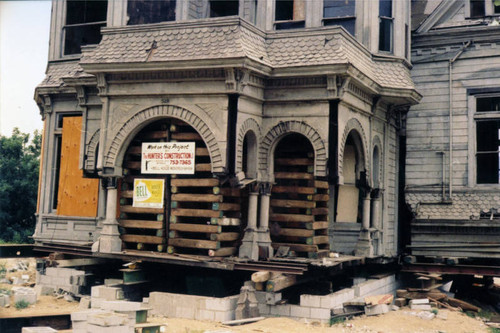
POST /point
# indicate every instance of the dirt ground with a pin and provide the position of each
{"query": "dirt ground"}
(393, 322)
(402, 321)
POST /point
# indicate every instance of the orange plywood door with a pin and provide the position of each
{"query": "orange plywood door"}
(77, 196)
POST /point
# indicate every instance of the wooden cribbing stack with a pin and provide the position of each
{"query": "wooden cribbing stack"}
(200, 217)
(299, 207)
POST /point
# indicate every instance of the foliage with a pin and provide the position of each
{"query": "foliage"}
(335, 321)
(3, 270)
(22, 304)
(493, 330)
(19, 165)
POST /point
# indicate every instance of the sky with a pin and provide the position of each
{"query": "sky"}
(24, 43)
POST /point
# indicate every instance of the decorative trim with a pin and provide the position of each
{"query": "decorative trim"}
(101, 83)
(270, 140)
(353, 125)
(144, 117)
(91, 154)
(376, 142)
(47, 104)
(216, 73)
(248, 125)
(296, 82)
(358, 92)
(80, 95)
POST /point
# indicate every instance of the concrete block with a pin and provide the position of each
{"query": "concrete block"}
(37, 277)
(42, 290)
(111, 293)
(400, 302)
(426, 315)
(71, 289)
(185, 312)
(424, 307)
(419, 301)
(107, 319)
(273, 298)
(358, 280)
(83, 315)
(313, 301)
(96, 302)
(224, 316)
(264, 309)
(4, 300)
(261, 297)
(323, 314)
(84, 303)
(113, 282)
(79, 280)
(121, 306)
(281, 310)
(442, 315)
(218, 304)
(52, 271)
(111, 329)
(94, 291)
(337, 298)
(24, 294)
(45, 279)
(300, 311)
(205, 315)
(61, 281)
(79, 325)
(394, 307)
(38, 329)
(373, 310)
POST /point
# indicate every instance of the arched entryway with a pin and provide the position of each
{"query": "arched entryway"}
(299, 212)
(197, 215)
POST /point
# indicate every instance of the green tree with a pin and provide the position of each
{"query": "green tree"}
(19, 166)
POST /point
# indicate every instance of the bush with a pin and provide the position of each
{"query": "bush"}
(22, 304)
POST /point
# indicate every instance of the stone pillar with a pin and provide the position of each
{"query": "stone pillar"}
(366, 212)
(264, 238)
(109, 240)
(375, 214)
(375, 222)
(364, 246)
(249, 248)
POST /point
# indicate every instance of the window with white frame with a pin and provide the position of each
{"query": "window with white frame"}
(386, 26)
(487, 121)
(84, 20)
(340, 12)
(482, 8)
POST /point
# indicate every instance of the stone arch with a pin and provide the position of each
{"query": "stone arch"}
(270, 140)
(377, 163)
(354, 125)
(91, 159)
(134, 124)
(249, 125)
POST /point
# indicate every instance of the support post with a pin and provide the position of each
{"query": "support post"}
(249, 248)
(264, 238)
(109, 240)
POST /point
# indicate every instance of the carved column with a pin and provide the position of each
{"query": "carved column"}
(264, 238)
(366, 211)
(249, 248)
(110, 241)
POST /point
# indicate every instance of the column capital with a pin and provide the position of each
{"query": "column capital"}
(265, 188)
(110, 182)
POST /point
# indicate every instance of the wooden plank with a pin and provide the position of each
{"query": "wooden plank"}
(224, 206)
(462, 304)
(316, 240)
(77, 196)
(293, 189)
(262, 276)
(230, 192)
(225, 236)
(321, 197)
(202, 152)
(291, 218)
(142, 239)
(203, 167)
(194, 243)
(153, 135)
(127, 194)
(320, 211)
(297, 247)
(140, 210)
(321, 184)
(196, 212)
(133, 165)
(191, 227)
(186, 136)
(280, 282)
(195, 182)
(294, 161)
(79, 262)
(295, 232)
(293, 175)
(190, 197)
(292, 203)
(223, 252)
(134, 150)
(142, 224)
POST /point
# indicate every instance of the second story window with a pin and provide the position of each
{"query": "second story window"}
(482, 8)
(290, 14)
(150, 11)
(386, 23)
(84, 19)
(219, 8)
(487, 119)
(340, 12)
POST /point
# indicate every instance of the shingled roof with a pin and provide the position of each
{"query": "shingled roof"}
(237, 39)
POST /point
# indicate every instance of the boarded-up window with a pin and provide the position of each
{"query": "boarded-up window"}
(76, 196)
(150, 11)
(386, 23)
(219, 8)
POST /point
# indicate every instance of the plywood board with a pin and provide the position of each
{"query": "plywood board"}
(347, 205)
(77, 196)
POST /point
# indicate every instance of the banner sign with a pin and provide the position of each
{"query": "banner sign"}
(148, 193)
(168, 157)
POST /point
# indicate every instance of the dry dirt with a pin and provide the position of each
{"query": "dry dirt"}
(401, 321)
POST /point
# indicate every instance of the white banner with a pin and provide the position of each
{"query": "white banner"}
(168, 157)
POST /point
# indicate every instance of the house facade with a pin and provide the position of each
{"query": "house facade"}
(452, 158)
(278, 122)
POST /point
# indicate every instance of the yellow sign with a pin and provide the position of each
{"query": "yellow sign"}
(148, 193)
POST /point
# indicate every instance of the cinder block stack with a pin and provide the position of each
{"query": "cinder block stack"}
(24, 294)
(109, 322)
(4, 299)
(67, 279)
(79, 320)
